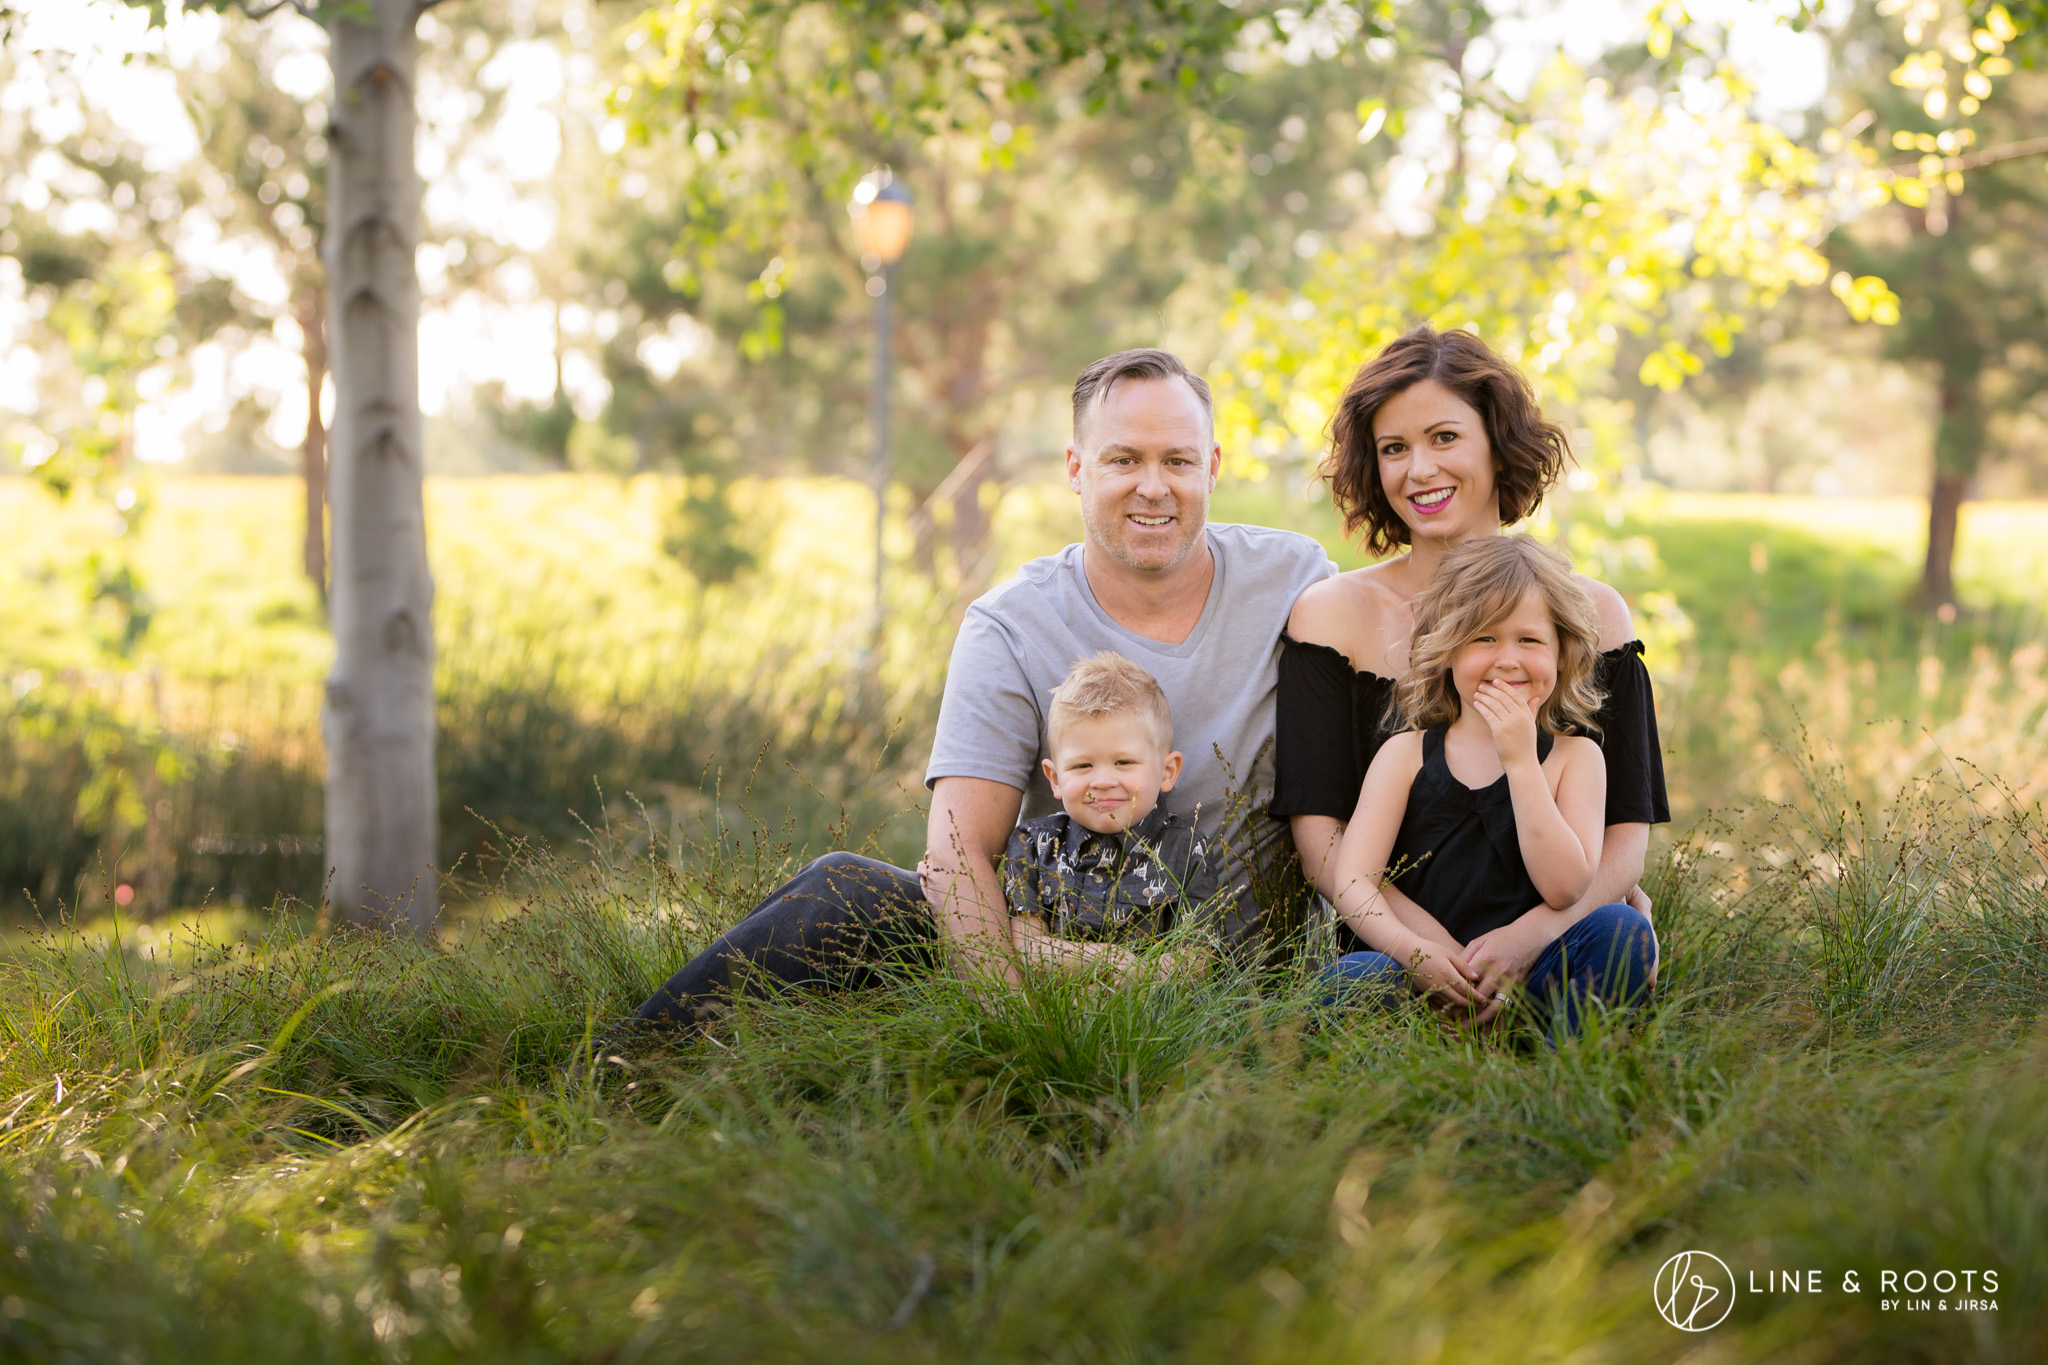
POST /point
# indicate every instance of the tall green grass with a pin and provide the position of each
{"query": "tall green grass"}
(347, 1148)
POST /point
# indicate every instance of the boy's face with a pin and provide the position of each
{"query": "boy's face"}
(1109, 771)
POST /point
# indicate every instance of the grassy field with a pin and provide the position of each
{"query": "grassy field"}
(225, 1137)
(335, 1148)
(586, 677)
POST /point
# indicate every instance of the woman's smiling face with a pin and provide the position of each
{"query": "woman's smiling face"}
(1436, 464)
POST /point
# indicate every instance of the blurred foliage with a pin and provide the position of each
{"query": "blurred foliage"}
(1090, 176)
(703, 532)
(115, 326)
(610, 668)
(1595, 220)
(1077, 169)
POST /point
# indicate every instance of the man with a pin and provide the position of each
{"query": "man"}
(1199, 607)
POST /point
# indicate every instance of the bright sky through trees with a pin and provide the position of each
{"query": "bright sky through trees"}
(496, 181)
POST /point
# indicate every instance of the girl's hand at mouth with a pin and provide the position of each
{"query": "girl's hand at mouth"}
(1510, 719)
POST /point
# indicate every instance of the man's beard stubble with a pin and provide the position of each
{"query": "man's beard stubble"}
(1113, 546)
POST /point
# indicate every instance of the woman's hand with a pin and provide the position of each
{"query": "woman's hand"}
(1438, 976)
(1511, 721)
(1502, 957)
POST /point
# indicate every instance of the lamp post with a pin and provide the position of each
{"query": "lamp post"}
(882, 222)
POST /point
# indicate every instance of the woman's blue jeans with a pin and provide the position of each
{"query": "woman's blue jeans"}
(1607, 956)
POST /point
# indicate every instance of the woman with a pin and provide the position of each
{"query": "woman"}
(1438, 441)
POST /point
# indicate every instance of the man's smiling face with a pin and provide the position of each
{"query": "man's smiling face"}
(1144, 463)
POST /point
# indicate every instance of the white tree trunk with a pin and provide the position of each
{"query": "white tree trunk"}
(379, 723)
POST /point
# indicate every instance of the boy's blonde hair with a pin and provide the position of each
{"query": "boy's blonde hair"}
(1108, 685)
(1477, 584)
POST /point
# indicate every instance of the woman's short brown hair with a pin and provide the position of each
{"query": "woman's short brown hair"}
(1477, 584)
(1528, 452)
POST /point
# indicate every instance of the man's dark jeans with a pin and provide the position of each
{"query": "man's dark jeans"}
(841, 923)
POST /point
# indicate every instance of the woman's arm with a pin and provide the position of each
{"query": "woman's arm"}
(1316, 838)
(1610, 609)
(1359, 876)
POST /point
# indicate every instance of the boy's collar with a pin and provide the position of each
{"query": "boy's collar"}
(1149, 828)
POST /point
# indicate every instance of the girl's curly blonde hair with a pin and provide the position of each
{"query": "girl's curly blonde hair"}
(1477, 584)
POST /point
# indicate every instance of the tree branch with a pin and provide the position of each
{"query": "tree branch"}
(265, 11)
(1990, 156)
(425, 5)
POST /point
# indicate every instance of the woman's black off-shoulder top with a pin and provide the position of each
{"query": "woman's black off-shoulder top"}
(1333, 719)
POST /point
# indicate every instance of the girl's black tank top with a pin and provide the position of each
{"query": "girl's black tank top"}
(1457, 855)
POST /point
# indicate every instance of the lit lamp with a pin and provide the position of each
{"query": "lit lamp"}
(882, 220)
(882, 223)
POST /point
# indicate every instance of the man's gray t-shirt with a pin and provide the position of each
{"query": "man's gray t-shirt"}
(1020, 639)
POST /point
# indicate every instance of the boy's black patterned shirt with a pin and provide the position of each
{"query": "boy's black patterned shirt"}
(1132, 885)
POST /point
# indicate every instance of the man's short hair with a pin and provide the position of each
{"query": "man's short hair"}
(1144, 363)
(1108, 685)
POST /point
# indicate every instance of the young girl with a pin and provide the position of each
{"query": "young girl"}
(1493, 801)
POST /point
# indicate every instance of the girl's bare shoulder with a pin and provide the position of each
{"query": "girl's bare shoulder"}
(1401, 753)
(1566, 750)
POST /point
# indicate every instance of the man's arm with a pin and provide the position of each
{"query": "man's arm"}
(970, 824)
(1038, 945)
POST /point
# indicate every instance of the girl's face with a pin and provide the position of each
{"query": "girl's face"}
(1436, 465)
(1519, 651)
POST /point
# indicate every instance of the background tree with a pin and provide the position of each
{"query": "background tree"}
(379, 723)
(1047, 232)
(1607, 228)
(1967, 220)
(381, 811)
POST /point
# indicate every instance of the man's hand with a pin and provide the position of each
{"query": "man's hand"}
(1510, 720)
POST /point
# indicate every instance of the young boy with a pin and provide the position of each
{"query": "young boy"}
(1115, 868)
